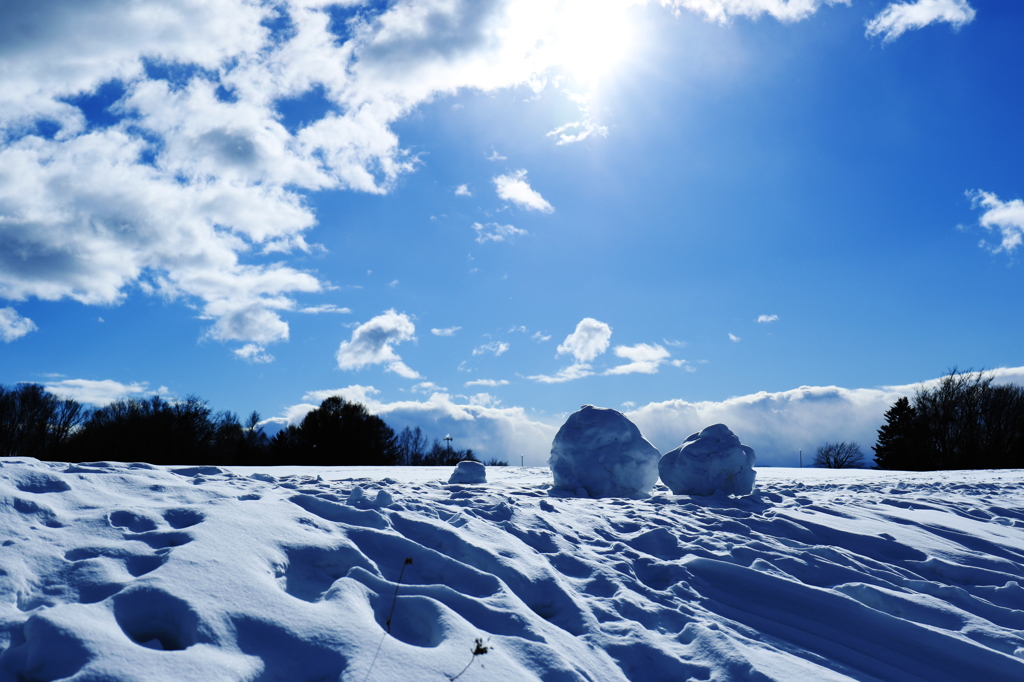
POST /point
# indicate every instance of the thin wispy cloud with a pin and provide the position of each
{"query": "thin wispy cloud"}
(493, 232)
(13, 326)
(765, 319)
(494, 347)
(325, 308)
(734, 338)
(463, 191)
(515, 189)
(100, 392)
(373, 342)
(899, 17)
(492, 383)
(445, 331)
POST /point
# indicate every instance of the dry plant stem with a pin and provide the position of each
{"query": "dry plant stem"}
(394, 600)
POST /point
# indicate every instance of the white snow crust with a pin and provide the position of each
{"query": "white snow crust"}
(468, 471)
(129, 572)
(707, 462)
(598, 452)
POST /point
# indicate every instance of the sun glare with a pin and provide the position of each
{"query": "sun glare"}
(590, 38)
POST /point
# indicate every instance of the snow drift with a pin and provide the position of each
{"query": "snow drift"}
(129, 572)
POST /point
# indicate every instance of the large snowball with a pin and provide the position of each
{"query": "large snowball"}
(600, 452)
(709, 461)
(469, 471)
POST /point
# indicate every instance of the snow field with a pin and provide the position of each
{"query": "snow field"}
(114, 571)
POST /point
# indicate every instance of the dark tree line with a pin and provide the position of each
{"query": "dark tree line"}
(34, 423)
(964, 422)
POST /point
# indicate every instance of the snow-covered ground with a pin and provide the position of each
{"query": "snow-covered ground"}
(131, 572)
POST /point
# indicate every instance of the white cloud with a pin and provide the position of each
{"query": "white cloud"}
(734, 338)
(765, 319)
(195, 170)
(1006, 216)
(898, 18)
(724, 10)
(643, 359)
(590, 339)
(99, 393)
(463, 191)
(475, 422)
(14, 326)
(495, 156)
(776, 425)
(493, 232)
(446, 331)
(514, 187)
(487, 382)
(325, 308)
(577, 370)
(254, 353)
(540, 338)
(496, 347)
(426, 387)
(371, 344)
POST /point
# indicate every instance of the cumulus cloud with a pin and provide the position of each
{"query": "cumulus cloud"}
(514, 188)
(445, 331)
(194, 174)
(254, 353)
(496, 347)
(898, 18)
(643, 359)
(1005, 216)
(734, 338)
(590, 339)
(371, 344)
(493, 232)
(99, 393)
(765, 319)
(463, 191)
(14, 326)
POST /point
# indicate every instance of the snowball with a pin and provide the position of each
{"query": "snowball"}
(601, 453)
(709, 461)
(469, 471)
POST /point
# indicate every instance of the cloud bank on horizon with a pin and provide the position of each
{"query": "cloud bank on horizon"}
(146, 150)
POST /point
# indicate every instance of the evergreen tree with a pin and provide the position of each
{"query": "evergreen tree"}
(897, 446)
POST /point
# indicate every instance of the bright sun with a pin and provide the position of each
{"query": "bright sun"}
(587, 39)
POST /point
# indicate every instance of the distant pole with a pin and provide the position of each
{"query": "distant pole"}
(448, 438)
(522, 460)
(801, 459)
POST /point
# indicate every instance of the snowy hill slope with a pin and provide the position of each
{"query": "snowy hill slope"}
(132, 572)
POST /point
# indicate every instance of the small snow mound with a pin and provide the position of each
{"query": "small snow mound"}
(469, 471)
(707, 462)
(599, 452)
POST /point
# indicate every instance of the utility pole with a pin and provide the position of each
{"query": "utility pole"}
(801, 459)
(448, 438)
(522, 460)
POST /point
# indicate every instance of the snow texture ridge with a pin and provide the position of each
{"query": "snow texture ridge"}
(124, 573)
(469, 471)
(707, 462)
(598, 452)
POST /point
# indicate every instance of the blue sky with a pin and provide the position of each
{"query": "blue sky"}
(476, 216)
